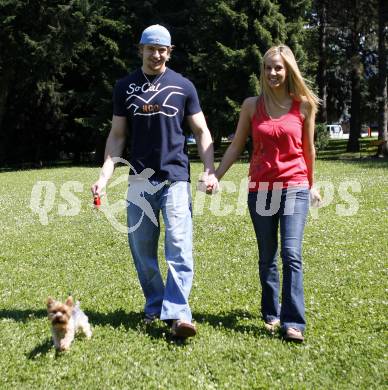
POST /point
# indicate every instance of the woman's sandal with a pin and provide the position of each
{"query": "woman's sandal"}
(271, 326)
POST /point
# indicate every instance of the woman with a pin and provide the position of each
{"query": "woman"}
(281, 123)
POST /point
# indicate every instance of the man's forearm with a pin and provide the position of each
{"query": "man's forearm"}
(107, 169)
(206, 151)
(114, 148)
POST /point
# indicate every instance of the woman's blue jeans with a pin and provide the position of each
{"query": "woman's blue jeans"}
(173, 200)
(287, 208)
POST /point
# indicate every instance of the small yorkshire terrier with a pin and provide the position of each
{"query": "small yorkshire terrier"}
(66, 319)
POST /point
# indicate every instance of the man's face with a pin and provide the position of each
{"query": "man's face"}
(155, 58)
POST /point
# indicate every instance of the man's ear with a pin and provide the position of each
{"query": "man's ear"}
(170, 50)
(140, 51)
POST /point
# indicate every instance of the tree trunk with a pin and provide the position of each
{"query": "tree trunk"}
(355, 122)
(5, 82)
(382, 86)
(322, 65)
(356, 71)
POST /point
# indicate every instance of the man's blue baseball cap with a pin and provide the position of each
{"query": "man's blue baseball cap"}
(155, 35)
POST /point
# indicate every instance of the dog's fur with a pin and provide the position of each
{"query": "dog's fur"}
(66, 319)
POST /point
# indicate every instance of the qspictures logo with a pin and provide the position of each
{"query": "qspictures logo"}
(230, 200)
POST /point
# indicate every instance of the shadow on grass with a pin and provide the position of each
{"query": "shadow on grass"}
(22, 315)
(115, 319)
(25, 316)
(42, 349)
(368, 162)
(336, 151)
(135, 321)
(232, 320)
(363, 162)
(31, 166)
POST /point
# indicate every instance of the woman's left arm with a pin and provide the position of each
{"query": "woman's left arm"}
(308, 139)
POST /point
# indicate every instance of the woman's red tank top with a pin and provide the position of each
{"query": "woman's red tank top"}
(277, 160)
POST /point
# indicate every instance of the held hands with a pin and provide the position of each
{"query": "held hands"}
(208, 183)
(315, 198)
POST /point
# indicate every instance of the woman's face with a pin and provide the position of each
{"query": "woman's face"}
(275, 71)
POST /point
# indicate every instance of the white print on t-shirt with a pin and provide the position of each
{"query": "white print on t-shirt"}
(148, 107)
(146, 87)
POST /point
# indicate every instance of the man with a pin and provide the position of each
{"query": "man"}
(155, 101)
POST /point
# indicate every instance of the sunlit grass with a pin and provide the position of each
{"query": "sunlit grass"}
(345, 262)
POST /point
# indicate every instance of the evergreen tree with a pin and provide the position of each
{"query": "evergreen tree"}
(103, 57)
(297, 14)
(38, 40)
(321, 77)
(347, 43)
(383, 85)
(59, 65)
(230, 38)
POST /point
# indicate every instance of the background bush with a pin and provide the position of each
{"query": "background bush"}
(321, 136)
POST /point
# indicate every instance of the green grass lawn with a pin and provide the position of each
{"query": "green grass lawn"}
(345, 262)
(337, 149)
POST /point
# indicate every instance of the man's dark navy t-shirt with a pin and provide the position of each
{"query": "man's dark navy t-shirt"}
(156, 114)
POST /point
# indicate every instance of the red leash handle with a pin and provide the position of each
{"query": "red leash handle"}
(96, 200)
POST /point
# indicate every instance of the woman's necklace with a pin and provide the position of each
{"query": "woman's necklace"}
(275, 110)
(155, 81)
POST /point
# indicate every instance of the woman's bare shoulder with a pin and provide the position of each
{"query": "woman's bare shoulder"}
(251, 100)
(249, 105)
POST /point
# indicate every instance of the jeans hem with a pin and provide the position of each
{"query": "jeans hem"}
(286, 325)
(269, 319)
(176, 317)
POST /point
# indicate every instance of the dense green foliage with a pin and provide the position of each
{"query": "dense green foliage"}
(344, 268)
(345, 41)
(60, 60)
(322, 136)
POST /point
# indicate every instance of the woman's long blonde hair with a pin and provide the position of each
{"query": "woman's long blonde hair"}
(295, 83)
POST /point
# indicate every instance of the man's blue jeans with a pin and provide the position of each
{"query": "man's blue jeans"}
(173, 200)
(288, 208)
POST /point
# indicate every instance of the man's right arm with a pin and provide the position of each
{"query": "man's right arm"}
(114, 148)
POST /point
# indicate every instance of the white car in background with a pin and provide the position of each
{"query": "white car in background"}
(335, 130)
(190, 140)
